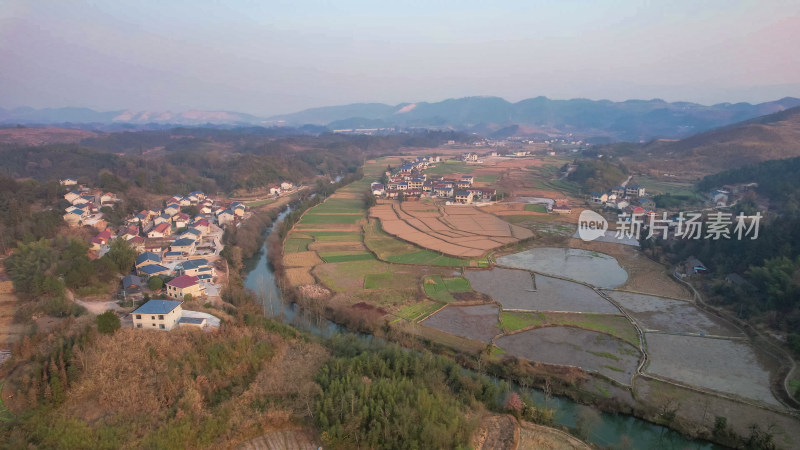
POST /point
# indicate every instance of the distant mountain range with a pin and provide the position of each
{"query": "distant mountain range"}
(50, 116)
(631, 120)
(773, 136)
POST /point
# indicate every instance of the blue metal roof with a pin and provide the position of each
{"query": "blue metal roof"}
(182, 242)
(153, 268)
(147, 256)
(194, 264)
(157, 307)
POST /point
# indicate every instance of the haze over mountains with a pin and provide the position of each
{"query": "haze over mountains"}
(631, 120)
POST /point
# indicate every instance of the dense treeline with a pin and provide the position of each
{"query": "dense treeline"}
(777, 180)
(597, 175)
(19, 219)
(376, 395)
(211, 160)
(42, 271)
(241, 243)
(770, 264)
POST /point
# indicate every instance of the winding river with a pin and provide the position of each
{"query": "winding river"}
(608, 431)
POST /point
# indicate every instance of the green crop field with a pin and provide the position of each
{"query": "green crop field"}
(617, 326)
(296, 245)
(340, 205)
(319, 234)
(258, 203)
(332, 219)
(536, 208)
(428, 258)
(389, 280)
(440, 289)
(450, 167)
(486, 178)
(419, 311)
(340, 238)
(655, 187)
(337, 257)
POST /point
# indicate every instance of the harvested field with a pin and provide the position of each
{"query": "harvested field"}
(460, 231)
(301, 259)
(666, 314)
(391, 249)
(477, 322)
(617, 326)
(299, 276)
(719, 364)
(540, 437)
(496, 432)
(575, 347)
(514, 290)
(597, 269)
(284, 439)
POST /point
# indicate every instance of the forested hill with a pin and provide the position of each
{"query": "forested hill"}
(211, 160)
(774, 136)
(777, 180)
(770, 263)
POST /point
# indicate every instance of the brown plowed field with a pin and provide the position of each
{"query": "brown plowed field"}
(453, 230)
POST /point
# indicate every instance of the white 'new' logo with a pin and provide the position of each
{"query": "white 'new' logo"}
(591, 225)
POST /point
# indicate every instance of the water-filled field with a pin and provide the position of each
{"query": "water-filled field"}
(589, 350)
(720, 364)
(477, 322)
(519, 289)
(666, 314)
(597, 269)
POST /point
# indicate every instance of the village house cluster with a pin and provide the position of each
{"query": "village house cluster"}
(729, 194)
(85, 205)
(410, 182)
(170, 243)
(630, 199)
(284, 187)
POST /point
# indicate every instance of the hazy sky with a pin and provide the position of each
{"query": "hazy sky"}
(271, 57)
